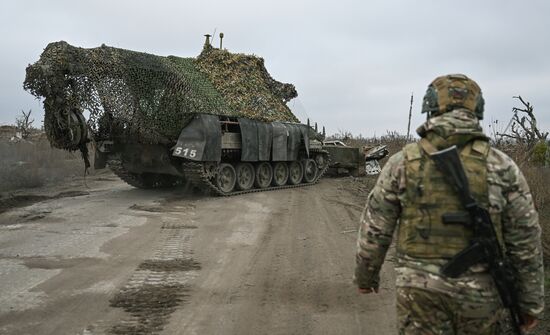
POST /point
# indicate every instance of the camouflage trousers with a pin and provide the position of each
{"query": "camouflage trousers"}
(423, 312)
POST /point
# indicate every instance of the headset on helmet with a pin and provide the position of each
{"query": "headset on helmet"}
(453, 91)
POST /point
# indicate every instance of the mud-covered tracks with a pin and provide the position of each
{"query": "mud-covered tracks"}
(158, 286)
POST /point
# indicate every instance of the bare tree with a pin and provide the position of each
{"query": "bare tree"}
(524, 125)
(24, 124)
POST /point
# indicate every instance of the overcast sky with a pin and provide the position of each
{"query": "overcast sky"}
(354, 63)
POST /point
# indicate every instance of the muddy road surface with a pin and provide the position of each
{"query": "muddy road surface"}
(112, 259)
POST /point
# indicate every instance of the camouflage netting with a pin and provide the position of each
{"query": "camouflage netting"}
(143, 98)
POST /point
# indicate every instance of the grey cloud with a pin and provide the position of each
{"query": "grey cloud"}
(354, 63)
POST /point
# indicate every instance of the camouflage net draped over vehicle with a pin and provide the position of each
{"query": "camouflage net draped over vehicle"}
(143, 98)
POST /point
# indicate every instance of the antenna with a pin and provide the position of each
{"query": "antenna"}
(214, 35)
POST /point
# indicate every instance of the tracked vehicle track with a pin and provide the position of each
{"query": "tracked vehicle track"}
(143, 180)
(200, 176)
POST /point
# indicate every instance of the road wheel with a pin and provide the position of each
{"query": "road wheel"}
(296, 172)
(264, 174)
(280, 174)
(226, 178)
(310, 170)
(245, 176)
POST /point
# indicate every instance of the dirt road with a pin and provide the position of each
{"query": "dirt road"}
(118, 260)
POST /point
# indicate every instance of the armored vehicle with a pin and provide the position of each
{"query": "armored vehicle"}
(372, 155)
(354, 160)
(227, 156)
(218, 120)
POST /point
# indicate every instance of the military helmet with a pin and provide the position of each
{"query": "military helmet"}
(452, 91)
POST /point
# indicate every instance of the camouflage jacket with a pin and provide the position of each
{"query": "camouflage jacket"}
(508, 193)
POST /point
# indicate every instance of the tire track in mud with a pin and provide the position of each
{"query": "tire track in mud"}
(158, 286)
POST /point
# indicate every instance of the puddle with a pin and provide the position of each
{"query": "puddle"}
(170, 265)
(52, 263)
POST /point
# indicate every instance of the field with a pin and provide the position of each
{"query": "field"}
(33, 162)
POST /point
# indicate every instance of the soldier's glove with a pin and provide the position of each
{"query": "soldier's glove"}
(529, 322)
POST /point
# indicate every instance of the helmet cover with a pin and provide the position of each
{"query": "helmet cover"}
(453, 91)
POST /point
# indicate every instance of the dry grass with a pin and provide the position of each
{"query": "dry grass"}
(539, 182)
(538, 178)
(536, 174)
(34, 163)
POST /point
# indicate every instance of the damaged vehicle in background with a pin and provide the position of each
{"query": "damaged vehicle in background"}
(356, 161)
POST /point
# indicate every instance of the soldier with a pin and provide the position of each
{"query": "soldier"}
(412, 195)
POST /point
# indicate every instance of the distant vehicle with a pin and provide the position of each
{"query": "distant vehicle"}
(356, 161)
(372, 156)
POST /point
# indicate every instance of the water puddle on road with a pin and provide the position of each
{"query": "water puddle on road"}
(169, 205)
(170, 265)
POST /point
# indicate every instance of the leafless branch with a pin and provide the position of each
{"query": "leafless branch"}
(524, 125)
(24, 124)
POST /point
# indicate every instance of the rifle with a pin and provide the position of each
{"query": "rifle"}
(484, 247)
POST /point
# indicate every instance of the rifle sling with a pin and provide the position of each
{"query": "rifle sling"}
(427, 146)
